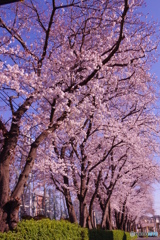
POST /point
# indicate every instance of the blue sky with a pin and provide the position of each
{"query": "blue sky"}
(153, 9)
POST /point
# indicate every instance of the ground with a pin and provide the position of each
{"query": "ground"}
(149, 238)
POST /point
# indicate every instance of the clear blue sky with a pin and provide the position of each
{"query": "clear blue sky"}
(153, 9)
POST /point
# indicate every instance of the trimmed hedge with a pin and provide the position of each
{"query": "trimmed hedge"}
(46, 229)
(128, 237)
(97, 234)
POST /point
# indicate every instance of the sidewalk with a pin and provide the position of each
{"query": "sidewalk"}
(149, 238)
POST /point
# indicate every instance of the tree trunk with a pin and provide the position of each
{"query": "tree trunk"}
(6, 204)
(9, 205)
(4, 195)
(105, 218)
(83, 191)
(9, 215)
(122, 221)
(90, 218)
(125, 224)
(89, 222)
(118, 219)
(128, 226)
(70, 207)
(108, 220)
(83, 214)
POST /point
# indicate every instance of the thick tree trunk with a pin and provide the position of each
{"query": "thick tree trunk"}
(4, 183)
(118, 219)
(90, 218)
(90, 221)
(108, 220)
(128, 226)
(4, 195)
(121, 217)
(70, 207)
(106, 217)
(83, 191)
(122, 222)
(9, 205)
(125, 224)
(83, 214)
(9, 215)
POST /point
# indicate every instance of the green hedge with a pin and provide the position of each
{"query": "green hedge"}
(128, 237)
(46, 229)
(97, 234)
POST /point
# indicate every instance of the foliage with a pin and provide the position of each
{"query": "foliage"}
(128, 237)
(57, 230)
(98, 234)
(109, 235)
(47, 229)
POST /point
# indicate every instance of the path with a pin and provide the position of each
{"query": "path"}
(149, 238)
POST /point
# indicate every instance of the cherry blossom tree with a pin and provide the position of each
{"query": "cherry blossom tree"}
(104, 150)
(60, 60)
(138, 201)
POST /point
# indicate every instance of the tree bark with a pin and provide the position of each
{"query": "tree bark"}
(118, 219)
(9, 207)
(83, 214)
(9, 204)
(83, 191)
(4, 195)
(125, 223)
(70, 207)
(106, 222)
(91, 224)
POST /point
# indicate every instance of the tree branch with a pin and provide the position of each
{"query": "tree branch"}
(3, 128)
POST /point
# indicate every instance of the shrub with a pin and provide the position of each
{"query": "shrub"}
(98, 234)
(128, 237)
(46, 229)
(109, 235)
(118, 234)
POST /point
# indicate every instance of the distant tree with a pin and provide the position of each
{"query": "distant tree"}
(103, 152)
